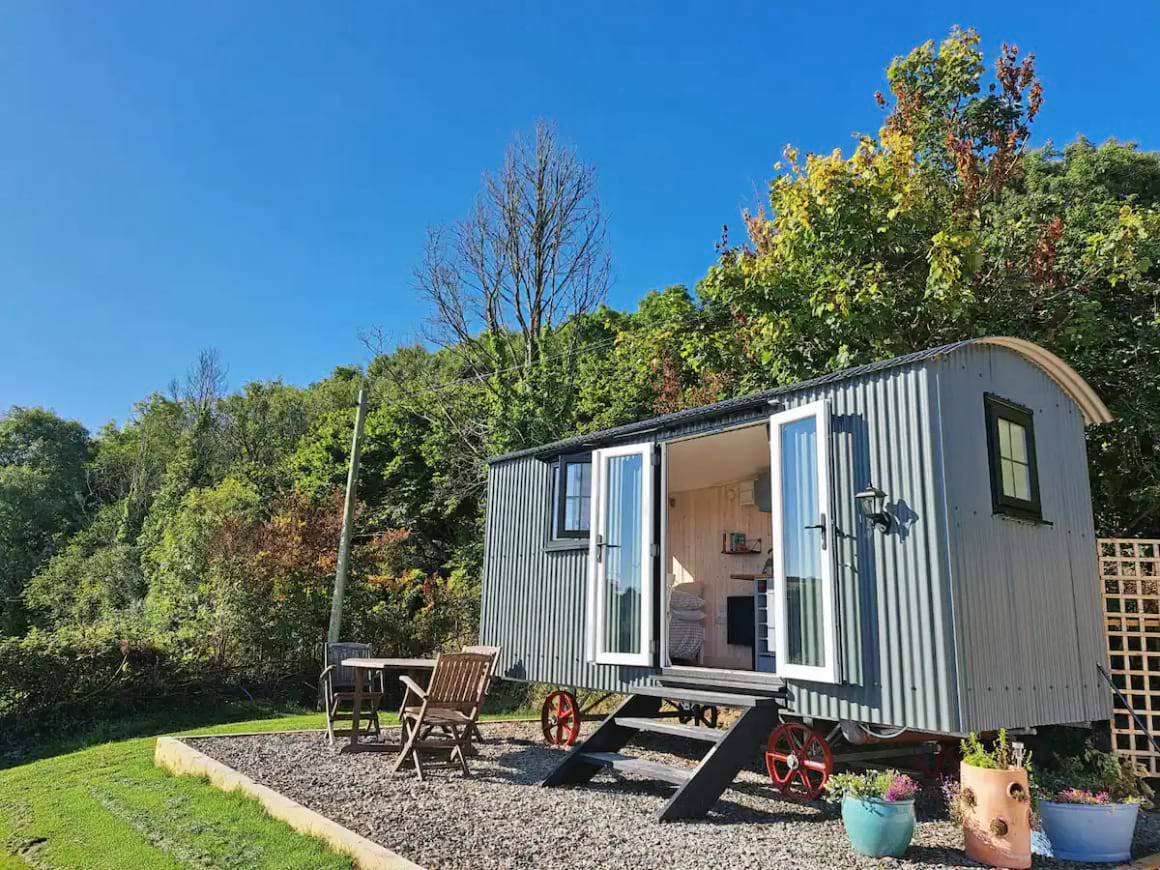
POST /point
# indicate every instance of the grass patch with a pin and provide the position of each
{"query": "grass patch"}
(107, 806)
(93, 799)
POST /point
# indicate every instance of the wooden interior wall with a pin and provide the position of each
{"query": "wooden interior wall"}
(697, 519)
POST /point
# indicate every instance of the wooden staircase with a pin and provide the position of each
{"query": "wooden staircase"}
(698, 788)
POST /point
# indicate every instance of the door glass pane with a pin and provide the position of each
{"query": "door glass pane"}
(622, 554)
(802, 546)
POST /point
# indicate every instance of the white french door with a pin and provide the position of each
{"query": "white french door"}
(620, 556)
(804, 626)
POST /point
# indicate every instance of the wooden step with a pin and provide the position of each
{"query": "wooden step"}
(754, 683)
(640, 766)
(675, 729)
(700, 696)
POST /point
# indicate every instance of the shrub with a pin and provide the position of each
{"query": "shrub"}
(1092, 774)
(887, 785)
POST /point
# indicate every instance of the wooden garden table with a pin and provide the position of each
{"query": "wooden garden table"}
(362, 667)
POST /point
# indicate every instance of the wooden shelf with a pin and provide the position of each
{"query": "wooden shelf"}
(741, 552)
(750, 576)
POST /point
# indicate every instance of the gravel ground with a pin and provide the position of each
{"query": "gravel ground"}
(500, 817)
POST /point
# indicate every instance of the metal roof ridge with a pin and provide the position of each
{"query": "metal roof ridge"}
(735, 403)
(1093, 408)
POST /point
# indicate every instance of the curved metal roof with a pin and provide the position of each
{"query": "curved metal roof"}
(1090, 404)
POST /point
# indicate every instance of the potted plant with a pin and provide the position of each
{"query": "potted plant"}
(1088, 806)
(993, 802)
(877, 810)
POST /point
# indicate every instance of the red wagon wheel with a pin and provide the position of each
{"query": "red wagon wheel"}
(560, 719)
(799, 760)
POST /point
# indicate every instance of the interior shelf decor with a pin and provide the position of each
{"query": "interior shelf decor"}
(735, 544)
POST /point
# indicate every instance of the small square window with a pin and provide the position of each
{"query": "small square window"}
(1011, 451)
(572, 496)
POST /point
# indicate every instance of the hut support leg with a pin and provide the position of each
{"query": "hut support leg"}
(608, 737)
(720, 765)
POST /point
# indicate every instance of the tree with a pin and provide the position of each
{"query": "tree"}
(531, 258)
(43, 498)
(532, 254)
(945, 227)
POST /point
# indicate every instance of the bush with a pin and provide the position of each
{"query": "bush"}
(55, 678)
(1095, 777)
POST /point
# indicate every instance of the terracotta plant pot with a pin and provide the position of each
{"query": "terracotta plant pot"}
(996, 808)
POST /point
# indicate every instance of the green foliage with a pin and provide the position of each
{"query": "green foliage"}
(889, 785)
(1001, 756)
(1096, 772)
(43, 498)
(945, 227)
(195, 544)
(93, 578)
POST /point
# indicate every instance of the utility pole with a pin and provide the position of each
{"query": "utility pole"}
(347, 519)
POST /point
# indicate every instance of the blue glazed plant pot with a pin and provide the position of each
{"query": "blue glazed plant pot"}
(1097, 834)
(878, 828)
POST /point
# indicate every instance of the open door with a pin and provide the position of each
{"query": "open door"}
(804, 627)
(620, 557)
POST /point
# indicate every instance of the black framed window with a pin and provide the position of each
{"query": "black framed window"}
(573, 496)
(1011, 453)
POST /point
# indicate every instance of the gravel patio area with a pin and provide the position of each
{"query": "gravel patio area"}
(500, 817)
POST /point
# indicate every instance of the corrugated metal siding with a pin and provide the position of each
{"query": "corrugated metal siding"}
(896, 640)
(1027, 604)
(1012, 608)
(896, 637)
(533, 599)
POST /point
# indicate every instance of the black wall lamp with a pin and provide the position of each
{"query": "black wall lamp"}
(872, 505)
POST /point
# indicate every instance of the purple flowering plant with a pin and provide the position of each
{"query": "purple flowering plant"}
(902, 788)
(886, 785)
(1095, 778)
(1082, 796)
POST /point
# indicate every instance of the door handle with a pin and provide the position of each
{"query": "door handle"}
(600, 546)
(820, 524)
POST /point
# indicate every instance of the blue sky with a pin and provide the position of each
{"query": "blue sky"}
(257, 177)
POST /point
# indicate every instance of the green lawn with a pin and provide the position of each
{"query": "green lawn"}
(107, 806)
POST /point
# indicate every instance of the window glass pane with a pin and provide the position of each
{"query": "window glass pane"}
(576, 478)
(801, 546)
(622, 555)
(576, 496)
(1008, 477)
(1004, 438)
(585, 508)
(1018, 450)
(1022, 481)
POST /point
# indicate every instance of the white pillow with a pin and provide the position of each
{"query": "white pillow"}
(679, 600)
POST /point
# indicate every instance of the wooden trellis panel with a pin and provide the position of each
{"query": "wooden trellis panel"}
(1130, 576)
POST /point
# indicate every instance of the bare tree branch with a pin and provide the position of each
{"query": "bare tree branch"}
(532, 254)
(206, 381)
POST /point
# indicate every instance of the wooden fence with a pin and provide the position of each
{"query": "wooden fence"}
(1130, 577)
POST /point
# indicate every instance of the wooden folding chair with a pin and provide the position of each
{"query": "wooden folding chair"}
(336, 689)
(451, 703)
(487, 651)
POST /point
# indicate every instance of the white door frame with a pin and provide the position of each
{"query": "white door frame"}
(594, 641)
(828, 672)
